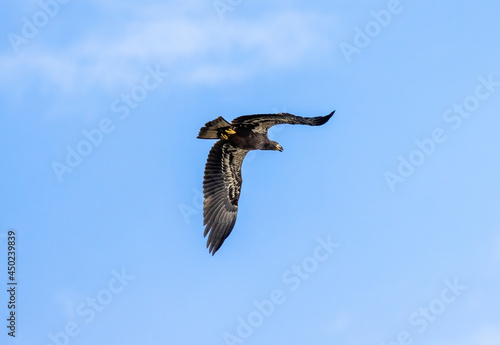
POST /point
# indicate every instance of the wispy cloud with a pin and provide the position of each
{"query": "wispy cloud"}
(194, 45)
(488, 336)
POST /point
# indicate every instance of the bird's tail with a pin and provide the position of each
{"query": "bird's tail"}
(212, 128)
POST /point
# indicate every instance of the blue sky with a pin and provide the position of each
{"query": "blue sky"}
(380, 227)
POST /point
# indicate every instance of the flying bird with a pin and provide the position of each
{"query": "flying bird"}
(222, 180)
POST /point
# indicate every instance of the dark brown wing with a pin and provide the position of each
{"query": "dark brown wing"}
(262, 122)
(221, 187)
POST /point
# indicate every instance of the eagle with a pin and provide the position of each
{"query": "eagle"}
(222, 179)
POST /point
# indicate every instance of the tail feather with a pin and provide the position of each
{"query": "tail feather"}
(210, 131)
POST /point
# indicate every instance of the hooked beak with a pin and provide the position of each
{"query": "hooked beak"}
(280, 149)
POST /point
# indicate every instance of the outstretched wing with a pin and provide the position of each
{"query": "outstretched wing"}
(221, 187)
(262, 122)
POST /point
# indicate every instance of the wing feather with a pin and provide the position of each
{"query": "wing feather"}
(221, 188)
(262, 122)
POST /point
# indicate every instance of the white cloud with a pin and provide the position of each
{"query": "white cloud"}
(65, 302)
(196, 48)
(488, 336)
(340, 323)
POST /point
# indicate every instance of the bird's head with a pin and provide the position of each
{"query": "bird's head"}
(271, 145)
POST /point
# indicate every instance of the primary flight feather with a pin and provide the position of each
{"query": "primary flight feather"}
(222, 180)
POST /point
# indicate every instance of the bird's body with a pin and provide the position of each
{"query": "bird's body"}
(222, 180)
(245, 138)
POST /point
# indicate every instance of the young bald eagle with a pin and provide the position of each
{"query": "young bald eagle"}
(222, 180)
